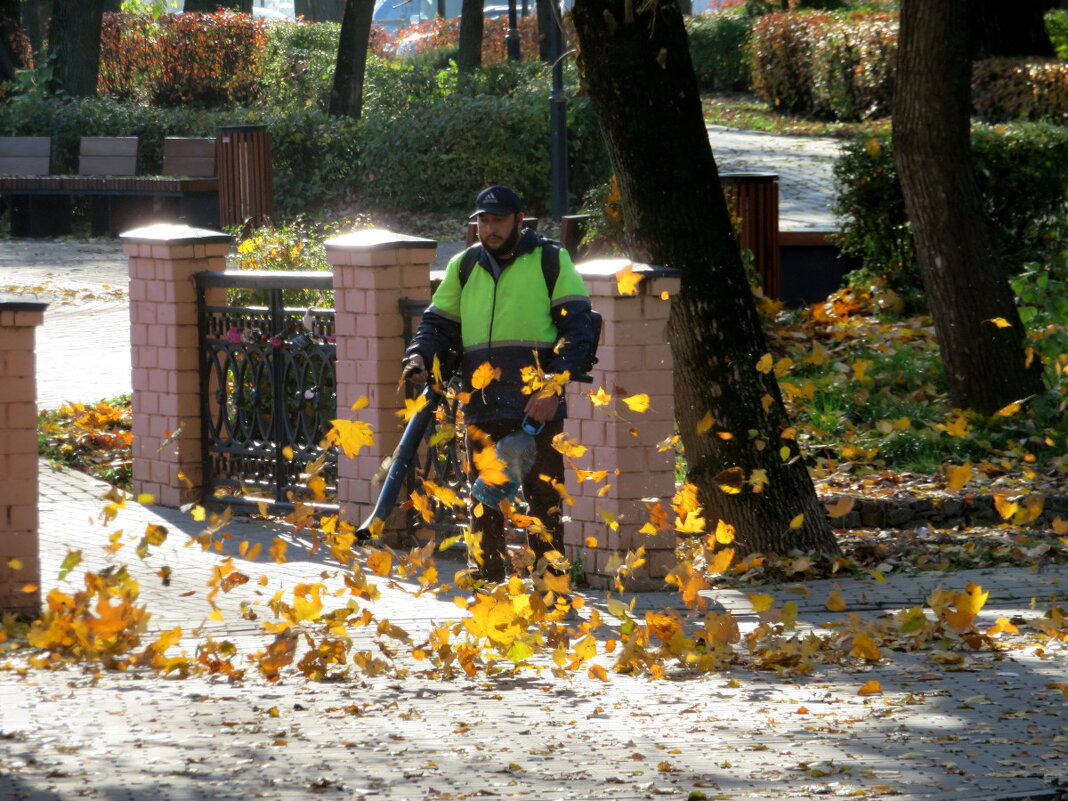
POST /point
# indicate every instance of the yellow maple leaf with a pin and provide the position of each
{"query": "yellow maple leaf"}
(957, 427)
(1005, 507)
(871, 687)
(597, 672)
(841, 507)
(705, 423)
(362, 402)
(761, 602)
(724, 533)
(966, 607)
(609, 518)
(638, 403)
(731, 480)
(627, 280)
(483, 375)
(958, 476)
(721, 562)
(351, 435)
(691, 523)
(798, 521)
(380, 563)
(835, 601)
(1060, 527)
(864, 647)
(600, 397)
(412, 407)
(1000, 322)
(490, 467)
(765, 363)
(1002, 625)
(1029, 509)
(570, 448)
(421, 504)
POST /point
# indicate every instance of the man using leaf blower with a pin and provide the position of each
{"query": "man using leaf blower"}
(517, 309)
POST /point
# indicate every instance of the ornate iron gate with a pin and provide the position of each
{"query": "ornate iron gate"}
(268, 390)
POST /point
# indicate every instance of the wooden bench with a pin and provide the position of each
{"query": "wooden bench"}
(24, 159)
(120, 199)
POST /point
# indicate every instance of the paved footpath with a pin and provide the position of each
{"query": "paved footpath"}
(990, 726)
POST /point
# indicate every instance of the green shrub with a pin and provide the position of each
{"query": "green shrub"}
(1017, 89)
(1020, 169)
(719, 48)
(1057, 27)
(825, 66)
(299, 64)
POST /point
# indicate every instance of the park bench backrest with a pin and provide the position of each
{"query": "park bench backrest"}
(25, 155)
(108, 155)
(192, 157)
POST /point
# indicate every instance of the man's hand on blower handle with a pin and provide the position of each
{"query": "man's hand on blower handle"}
(415, 370)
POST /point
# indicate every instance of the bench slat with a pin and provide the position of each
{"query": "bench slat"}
(108, 155)
(25, 155)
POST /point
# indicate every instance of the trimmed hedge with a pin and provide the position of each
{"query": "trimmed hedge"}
(825, 66)
(1021, 173)
(719, 49)
(1014, 89)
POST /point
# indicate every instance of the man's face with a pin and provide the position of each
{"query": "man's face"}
(499, 234)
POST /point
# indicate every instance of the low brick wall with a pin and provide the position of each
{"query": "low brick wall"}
(19, 561)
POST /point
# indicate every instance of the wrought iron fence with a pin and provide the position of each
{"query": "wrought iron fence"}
(268, 390)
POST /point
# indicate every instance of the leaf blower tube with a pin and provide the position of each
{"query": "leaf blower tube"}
(404, 455)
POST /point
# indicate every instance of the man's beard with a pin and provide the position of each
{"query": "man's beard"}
(507, 247)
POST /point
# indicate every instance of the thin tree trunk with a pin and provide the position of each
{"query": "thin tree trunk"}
(469, 58)
(75, 41)
(546, 17)
(35, 16)
(636, 65)
(346, 96)
(967, 286)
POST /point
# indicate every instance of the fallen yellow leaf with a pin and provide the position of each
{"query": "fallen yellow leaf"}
(870, 688)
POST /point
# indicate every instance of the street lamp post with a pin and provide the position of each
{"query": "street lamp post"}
(513, 33)
(558, 120)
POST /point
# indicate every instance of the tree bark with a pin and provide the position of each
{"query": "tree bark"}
(346, 95)
(469, 58)
(966, 284)
(546, 17)
(35, 15)
(75, 42)
(636, 65)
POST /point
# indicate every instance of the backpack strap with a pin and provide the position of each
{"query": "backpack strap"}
(550, 263)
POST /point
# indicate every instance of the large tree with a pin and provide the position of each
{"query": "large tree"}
(980, 335)
(469, 58)
(74, 42)
(635, 62)
(346, 95)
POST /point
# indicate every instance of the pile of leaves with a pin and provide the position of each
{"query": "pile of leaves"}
(93, 438)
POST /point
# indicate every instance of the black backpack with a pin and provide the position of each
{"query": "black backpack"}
(550, 270)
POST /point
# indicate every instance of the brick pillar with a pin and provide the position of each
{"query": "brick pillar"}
(19, 561)
(164, 346)
(373, 270)
(634, 357)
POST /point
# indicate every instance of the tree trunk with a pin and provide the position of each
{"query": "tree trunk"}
(967, 286)
(211, 6)
(10, 32)
(346, 96)
(35, 15)
(642, 86)
(546, 17)
(469, 58)
(75, 42)
(1014, 29)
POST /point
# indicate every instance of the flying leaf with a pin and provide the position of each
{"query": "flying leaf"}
(864, 647)
(966, 607)
(351, 435)
(1000, 322)
(362, 402)
(705, 423)
(627, 280)
(1009, 410)
(412, 407)
(1002, 625)
(765, 363)
(380, 563)
(841, 507)
(721, 562)
(958, 476)
(637, 403)
(1005, 507)
(871, 687)
(835, 601)
(731, 480)
(484, 375)
(568, 447)
(724, 533)
(490, 467)
(600, 397)
(761, 602)
(798, 521)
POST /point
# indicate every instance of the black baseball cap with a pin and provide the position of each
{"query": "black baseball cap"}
(499, 200)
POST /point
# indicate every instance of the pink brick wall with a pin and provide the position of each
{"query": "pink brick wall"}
(634, 357)
(163, 334)
(373, 270)
(19, 562)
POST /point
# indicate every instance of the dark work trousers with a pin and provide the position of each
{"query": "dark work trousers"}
(540, 495)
